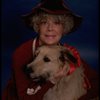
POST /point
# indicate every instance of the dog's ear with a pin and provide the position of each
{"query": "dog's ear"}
(70, 57)
(67, 55)
(62, 56)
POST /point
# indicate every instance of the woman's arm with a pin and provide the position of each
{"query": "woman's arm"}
(21, 58)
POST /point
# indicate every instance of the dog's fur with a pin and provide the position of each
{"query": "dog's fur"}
(46, 63)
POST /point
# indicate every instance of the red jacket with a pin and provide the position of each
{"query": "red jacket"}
(19, 82)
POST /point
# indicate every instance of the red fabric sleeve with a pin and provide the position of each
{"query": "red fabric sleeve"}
(20, 82)
(22, 57)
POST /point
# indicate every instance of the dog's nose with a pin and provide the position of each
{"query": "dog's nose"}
(28, 70)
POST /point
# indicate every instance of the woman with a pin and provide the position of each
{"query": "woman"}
(51, 20)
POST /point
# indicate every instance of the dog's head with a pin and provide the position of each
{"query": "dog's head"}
(47, 61)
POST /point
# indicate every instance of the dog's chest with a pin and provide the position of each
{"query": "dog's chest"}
(68, 88)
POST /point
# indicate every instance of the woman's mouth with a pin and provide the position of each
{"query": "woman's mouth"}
(50, 36)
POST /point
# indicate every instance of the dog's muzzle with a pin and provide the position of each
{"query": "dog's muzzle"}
(39, 80)
(28, 70)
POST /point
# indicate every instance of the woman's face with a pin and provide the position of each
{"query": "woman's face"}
(50, 31)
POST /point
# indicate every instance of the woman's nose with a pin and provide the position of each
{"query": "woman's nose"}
(50, 26)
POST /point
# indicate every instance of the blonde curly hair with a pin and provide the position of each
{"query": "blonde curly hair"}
(65, 20)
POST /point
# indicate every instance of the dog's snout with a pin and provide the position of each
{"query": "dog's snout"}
(28, 70)
(39, 80)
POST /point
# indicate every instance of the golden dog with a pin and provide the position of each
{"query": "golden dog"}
(47, 61)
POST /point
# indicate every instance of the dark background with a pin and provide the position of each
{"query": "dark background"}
(14, 32)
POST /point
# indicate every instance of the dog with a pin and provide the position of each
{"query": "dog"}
(47, 61)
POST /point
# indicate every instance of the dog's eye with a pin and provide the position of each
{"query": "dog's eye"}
(46, 59)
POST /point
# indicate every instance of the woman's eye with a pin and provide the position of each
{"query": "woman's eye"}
(46, 59)
(43, 22)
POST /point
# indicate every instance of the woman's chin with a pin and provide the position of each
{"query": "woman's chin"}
(50, 43)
